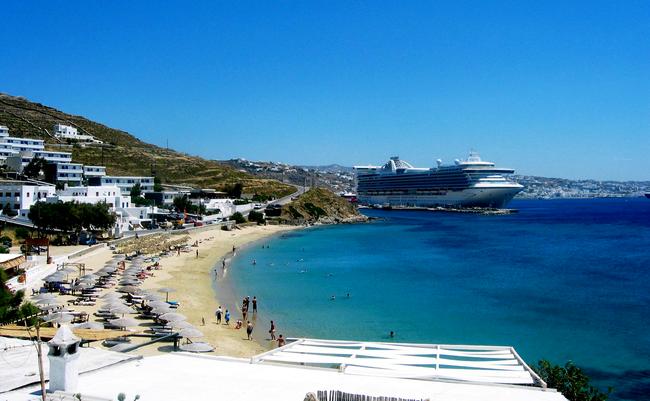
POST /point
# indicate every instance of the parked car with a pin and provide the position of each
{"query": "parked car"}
(198, 223)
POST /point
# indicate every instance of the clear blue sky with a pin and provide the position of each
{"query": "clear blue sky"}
(549, 88)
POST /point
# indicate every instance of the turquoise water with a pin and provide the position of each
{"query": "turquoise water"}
(561, 279)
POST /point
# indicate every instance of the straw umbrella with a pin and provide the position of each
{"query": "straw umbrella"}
(124, 322)
(172, 316)
(161, 310)
(191, 332)
(166, 290)
(122, 309)
(58, 317)
(111, 295)
(90, 326)
(180, 324)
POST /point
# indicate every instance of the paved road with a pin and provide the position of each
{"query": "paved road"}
(283, 201)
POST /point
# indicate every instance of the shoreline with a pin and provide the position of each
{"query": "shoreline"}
(192, 279)
(197, 292)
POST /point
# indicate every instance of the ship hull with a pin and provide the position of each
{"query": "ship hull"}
(497, 198)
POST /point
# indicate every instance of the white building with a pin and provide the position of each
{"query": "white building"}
(94, 171)
(111, 195)
(4, 131)
(67, 132)
(54, 157)
(23, 143)
(69, 173)
(124, 183)
(21, 195)
(129, 217)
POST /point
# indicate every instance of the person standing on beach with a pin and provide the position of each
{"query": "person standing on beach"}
(272, 330)
(223, 264)
(254, 304)
(227, 316)
(197, 253)
(249, 330)
(218, 314)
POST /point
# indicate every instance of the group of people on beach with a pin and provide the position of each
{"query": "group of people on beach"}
(247, 302)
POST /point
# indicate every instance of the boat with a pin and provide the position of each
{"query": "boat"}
(647, 195)
(466, 183)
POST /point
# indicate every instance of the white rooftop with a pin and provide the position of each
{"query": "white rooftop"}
(183, 376)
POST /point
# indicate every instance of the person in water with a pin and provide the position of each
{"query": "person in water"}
(272, 330)
(281, 341)
(392, 334)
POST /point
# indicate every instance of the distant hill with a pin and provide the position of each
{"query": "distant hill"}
(124, 154)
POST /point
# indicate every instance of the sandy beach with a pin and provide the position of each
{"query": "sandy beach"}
(191, 277)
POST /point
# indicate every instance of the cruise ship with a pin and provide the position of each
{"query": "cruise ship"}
(466, 183)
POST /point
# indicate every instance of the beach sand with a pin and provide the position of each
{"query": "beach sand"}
(192, 279)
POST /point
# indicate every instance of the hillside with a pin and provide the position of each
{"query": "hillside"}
(322, 206)
(124, 154)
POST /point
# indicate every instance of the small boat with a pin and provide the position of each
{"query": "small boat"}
(647, 195)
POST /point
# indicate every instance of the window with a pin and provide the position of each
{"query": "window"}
(17, 194)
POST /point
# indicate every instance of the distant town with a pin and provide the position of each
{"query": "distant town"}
(340, 179)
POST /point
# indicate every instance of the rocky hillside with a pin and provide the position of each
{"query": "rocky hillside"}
(123, 153)
(319, 205)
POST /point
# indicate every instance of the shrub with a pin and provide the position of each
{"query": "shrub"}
(6, 241)
(21, 232)
(256, 216)
(238, 218)
(570, 380)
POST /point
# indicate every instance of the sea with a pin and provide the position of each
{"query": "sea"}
(562, 280)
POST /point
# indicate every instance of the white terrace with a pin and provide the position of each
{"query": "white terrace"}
(471, 363)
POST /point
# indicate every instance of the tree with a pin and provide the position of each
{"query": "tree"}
(22, 233)
(12, 307)
(570, 380)
(235, 191)
(182, 203)
(34, 168)
(71, 217)
(8, 211)
(238, 218)
(136, 191)
(157, 184)
(256, 216)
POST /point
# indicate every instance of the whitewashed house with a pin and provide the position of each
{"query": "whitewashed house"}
(124, 183)
(21, 195)
(65, 132)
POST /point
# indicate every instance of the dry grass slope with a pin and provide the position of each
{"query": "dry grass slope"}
(321, 205)
(125, 154)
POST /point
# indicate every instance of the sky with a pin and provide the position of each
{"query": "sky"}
(551, 88)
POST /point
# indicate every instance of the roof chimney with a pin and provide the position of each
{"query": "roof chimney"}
(64, 360)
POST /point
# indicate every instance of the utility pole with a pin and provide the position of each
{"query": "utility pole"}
(39, 354)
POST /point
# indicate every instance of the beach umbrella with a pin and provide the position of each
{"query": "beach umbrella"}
(90, 276)
(54, 277)
(161, 310)
(68, 270)
(190, 332)
(180, 324)
(43, 297)
(58, 317)
(111, 295)
(172, 317)
(124, 322)
(157, 304)
(90, 326)
(122, 309)
(166, 290)
(49, 306)
(196, 347)
(103, 273)
(153, 297)
(82, 286)
(130, 289)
